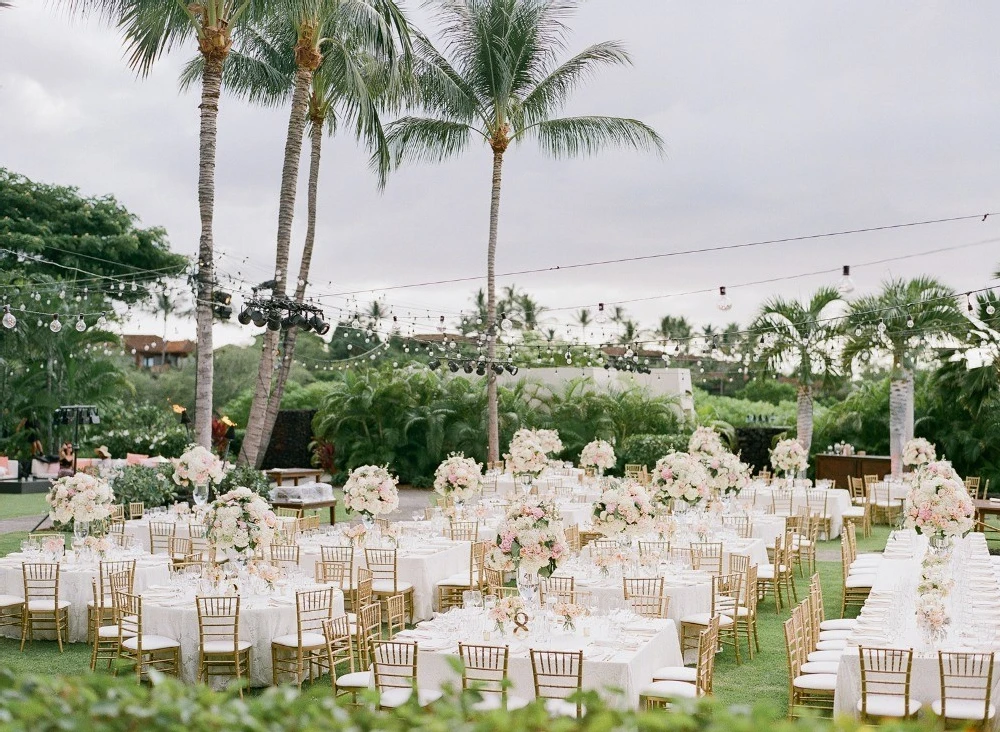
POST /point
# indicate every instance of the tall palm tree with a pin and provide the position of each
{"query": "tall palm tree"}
(150, 28)
(530, 311)
(166, 303)
(583, 319)
(902, 322)
(631, 332)
(673, 328)
(801, 339)
(497, 80)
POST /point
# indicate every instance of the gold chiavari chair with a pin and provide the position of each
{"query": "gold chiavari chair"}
(558, 677)
(645, 596)
(738, 564)
(884, 508)
(740, 524)
(179, 548)
(145, 651)
(136, 510)
(463, 531)
(765, 475)
(682, 555)
(363, 594)
(285, 556)
(817, 504)
(330, 573)
(707, 556)
(870, 480)
(451, 588)
(725, 604)
(659, 549)
(778, 576)
(816, 595)
(309, 522)
(42, 609)
(339, 647)
(40, 537)
(781, 502)
(394, 664)
(116, 531)
(604, 547)
(395, 615)
(885, 684)
(368, 629)
(288, 531)
(561, 588)
(304, 651)
(807, 541)
(101, 607)
(343, 555)
(103, 639)
(385, 572)
(856, 587)
(683, 682)
(160, 534)
(106, 637)
(972, 486)
(966, 689)
(858, 490)
(805, 691)
(746, 612)
(859, 513)
(289, 513)
(494, 581)
(199, 541)
(220, 650)
(484, 671)
(573, 537)
(589, 537)
(118, 512)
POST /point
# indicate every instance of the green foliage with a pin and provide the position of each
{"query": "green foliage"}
(152, 486)
(647, 449)
(767, 390)
(146, 429)
(736, 411)
(245, 476)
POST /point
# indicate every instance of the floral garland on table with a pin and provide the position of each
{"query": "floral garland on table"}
(198, 466)
(680, 476)
(789, 457)
(918, 452)
(458, 477)
(530, 536)
(624, 507)
(80, 498)
(938, 503)
(705, 441)
(371, 491)
(505, 610)
(598, 454)
(932, 614)
(526, 456)
(728, 475)
(240, 522)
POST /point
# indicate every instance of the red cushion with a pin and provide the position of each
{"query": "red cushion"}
(4, 461)
(134, 459)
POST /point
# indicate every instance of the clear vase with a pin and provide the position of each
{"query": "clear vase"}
(940, 543)
(81, 530)
(600, 472)
(527, 584)
(200, 494)
(526, 481)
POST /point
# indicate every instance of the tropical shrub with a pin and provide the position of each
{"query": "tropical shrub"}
(152, 486)
(140, 428)
(737, 411)
(245, 476)
(647, 449)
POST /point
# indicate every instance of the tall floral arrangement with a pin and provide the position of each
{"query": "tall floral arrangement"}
(918, 452)
(727, 474)
(371, 491)
(531, 536)
(705, 441)
(549, 441)
(458, 477)
(240, 522)
(623, 508)
(789, 457)
(938, 503)
(526, 456)
(198, 466)
(682, 477)
(598, 454)
(81, 498)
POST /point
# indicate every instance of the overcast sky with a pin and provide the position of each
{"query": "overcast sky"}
(781, 119)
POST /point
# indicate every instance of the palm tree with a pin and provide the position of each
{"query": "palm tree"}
(901, 321)
(803, 339)
(166, 304)
(499, 82)
(150, 28)
(583, 319)
(676, 329)
(530, 311)
(630, 332)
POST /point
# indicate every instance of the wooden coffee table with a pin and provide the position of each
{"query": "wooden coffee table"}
(309, 506)
(278, 475)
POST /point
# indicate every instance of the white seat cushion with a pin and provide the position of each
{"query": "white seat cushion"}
(384, 586)
(964, 709)
(392, 698)
(865, 580)
(885, 705)
(741, 612)
(831, 645)
(838, 624)
(37, 606)
(676, 673)
(309, 640)
(824, 656)
(670, 690)
(820, 667)
(705, 619)
(491, 703)
(10, 600)
(853, 512)
(825, 635)
(224, 646)
(111, 631)
(151, 643)
(766, 571)
(356, 680)
(562, 708)
(816, 682)
(456, 580)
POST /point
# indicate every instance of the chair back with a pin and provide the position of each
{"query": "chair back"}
(739, 563)
(330, 573)
(369, 627)
(781, 502)
(160, 533)
(708, 644)
(464, 531)
(219, 621)
(494, 580)
(129, 608)
(41, 583)
(561, 588)
(118, 512)
(382, 563)
(740, 524)
(484, 668)
(312, 607)
(292, 513)
(339, 646)
(178, 547)
(966, 682)
(645, 596)
(604, 547)
(106, 570)
(558, 675)
(395, 611)
(707, 556)
(726, 594)
(136, 509)
(573, 537)
(394, 664)
(659, 549)
(885, 672)
(285, 556)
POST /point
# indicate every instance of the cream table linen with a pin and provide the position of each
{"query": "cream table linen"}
(838, 501)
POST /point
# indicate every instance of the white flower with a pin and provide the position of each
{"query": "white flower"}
(624, 507)
(727, 474)
(918, 451)
(705, 441)
(459, 477)
(598, 454)
(680, 476)
(789, 457)
(198, 466)
(526, 456)
(371, 490)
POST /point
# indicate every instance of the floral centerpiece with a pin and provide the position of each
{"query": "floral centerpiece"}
(505, 610)
(458, 477)
(180, 510)
(938, 504)
(198, 466)
(355, 533)
(605, 560)
(267, 573)
(705, 441)
(789, 457)
(918, 452)
(549, 441)
(665, 527)
(531, 537)
(682, 477)
(99, 545)
(81, 499)
(623, 508)
(53, 545)
(727, 474)
(526, 457)
(568, 612)
(598, 454)
(371, 491)
(239, 523)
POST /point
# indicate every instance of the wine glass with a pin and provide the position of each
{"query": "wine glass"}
(200, 494)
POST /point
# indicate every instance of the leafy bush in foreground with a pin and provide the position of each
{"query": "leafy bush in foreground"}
(152, 486)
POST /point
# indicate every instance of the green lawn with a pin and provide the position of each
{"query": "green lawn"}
(17, 505)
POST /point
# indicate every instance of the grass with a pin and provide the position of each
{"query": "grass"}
(17, 505)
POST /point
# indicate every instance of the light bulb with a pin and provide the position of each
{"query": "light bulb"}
(601, 318)
(506, 324)
(724, 302)
(55, 326)
(846, 284)
(990, 310)
(910, 323)
(9, 321)
(102, 322)
(81, 324)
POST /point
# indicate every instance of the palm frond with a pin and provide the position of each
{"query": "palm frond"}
(554, 90)
(425, 139)
(576, 136)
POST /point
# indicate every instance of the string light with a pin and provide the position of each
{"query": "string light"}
(55, 326)
(9, 321)
(724, 304)
(846, 284)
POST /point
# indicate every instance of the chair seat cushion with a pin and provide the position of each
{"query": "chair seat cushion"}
(820, 667)
(491, 703)
(705, 619)
(965, 709)
(857, 581)
(886, 705)
(225, 646)
(10, 600)
(392, 698)
(456, 580)
(38, 606)
(766, 571)
(670, 690)
(309, 640)
(838, 624)
(853, 512)
(676, 673)
(826, 635)
(831, 645)
(824, 656)
(111, 631)
(742, 611)
(816, 682)
(356, 680)
(150, 643)
(562, 708)
(385, 586)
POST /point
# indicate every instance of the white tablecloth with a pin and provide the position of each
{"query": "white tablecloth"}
(839, 500)
(75, 585)
(506, 484)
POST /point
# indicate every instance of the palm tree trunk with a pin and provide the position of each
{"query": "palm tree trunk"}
(900, 393)
(211, 84)
(492, 417)
(804, 420)
(252, 451)
(288, 346)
